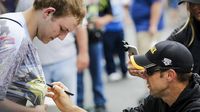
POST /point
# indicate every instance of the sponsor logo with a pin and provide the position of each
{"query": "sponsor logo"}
(167, 61)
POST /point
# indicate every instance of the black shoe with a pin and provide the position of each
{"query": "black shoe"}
(100, 109)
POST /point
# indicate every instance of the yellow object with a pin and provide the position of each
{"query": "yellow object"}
(135, 65)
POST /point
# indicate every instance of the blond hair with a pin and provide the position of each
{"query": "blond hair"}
(63, 7)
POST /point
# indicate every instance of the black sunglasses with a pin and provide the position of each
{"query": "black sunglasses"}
(152, 70)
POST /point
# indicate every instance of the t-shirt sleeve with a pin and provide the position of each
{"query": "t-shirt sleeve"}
(8, 51)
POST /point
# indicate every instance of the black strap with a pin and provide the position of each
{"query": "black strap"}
(11, 20)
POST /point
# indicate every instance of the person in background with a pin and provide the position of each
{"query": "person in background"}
(22, 77)
(99, 14)
(10, 5)
(23, 5)
(2, 8)
(147, 16)
(112, 42)
(174, 12)
(188, 33)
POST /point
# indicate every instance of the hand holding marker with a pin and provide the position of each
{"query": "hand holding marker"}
(68, 93)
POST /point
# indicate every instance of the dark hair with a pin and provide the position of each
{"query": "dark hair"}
(182, 77)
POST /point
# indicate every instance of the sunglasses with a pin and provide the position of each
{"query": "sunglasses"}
(152, 70)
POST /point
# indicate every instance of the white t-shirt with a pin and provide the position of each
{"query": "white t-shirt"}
(21, 75)
(56, 50)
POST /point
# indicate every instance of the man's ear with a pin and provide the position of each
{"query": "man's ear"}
(171, 75)
(48, 11)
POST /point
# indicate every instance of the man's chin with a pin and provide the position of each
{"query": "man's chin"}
(155, 95)
(151, 93)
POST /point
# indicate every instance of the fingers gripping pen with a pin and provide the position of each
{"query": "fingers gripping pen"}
(67, 92)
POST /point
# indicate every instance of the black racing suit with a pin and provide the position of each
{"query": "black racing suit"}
(188, 100)
(191, 39)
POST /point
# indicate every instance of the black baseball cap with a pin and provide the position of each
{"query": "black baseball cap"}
(166, 54)
(191, 1)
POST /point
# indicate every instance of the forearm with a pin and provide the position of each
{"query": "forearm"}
(156, 10)
(82, 39)
(10, 106)
(106, 19)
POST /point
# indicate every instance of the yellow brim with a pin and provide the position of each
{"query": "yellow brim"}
(135, 65)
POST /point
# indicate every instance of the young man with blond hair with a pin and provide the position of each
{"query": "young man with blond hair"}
(21, 75)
